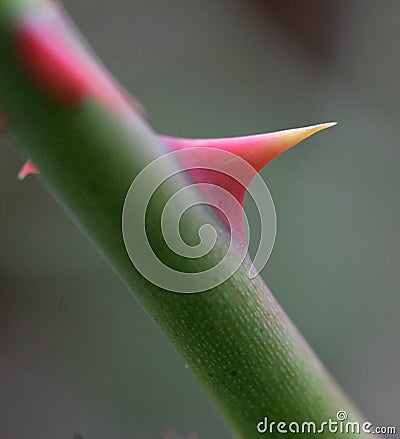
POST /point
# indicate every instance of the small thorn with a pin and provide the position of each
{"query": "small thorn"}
(27, 169)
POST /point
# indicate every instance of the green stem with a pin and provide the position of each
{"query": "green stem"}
(235, 337)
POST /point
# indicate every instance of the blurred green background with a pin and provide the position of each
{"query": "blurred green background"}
(78, 354)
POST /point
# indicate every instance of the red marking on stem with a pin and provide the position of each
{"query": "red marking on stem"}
(59, 64)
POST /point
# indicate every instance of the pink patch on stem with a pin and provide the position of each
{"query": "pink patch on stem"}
(59, 64)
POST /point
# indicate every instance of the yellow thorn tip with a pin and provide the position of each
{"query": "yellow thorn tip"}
(291, 137)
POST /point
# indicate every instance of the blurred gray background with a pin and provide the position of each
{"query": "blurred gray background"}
(79, 356)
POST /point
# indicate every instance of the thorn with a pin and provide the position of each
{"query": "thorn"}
(27, 169)
(257, 150)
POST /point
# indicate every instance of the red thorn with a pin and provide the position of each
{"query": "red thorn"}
(59, 64)
(256, 150)
(27, 169)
